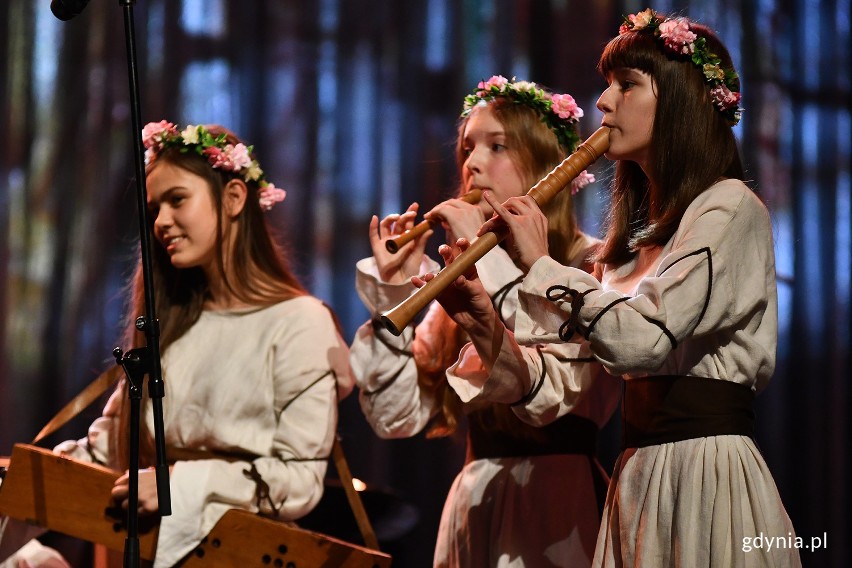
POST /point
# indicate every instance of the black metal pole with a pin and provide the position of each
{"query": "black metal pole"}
(156, 388)
(149, 325)
(144, 360)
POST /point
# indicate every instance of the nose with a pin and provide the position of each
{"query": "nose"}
(473, 162)
(604, 102)
(162, 221)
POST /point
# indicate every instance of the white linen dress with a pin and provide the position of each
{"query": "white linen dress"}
(523, 511)
(263, 382)
(703, 305)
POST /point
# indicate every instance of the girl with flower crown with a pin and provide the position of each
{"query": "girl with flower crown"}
(253, 366)
(526, 496)
(682, 305)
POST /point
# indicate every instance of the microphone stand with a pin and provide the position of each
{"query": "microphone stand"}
(145, 360)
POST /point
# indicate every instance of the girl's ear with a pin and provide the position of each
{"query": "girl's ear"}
(234, 197)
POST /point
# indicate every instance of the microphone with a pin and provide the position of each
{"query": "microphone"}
(67, 9)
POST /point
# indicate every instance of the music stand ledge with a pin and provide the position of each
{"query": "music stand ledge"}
(71, 497)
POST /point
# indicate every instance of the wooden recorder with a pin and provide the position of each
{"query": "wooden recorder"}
(593, 148)
(393, 245)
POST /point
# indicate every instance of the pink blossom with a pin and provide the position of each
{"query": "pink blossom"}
(239, 156)
(641, 20)
(214, 156)
(677, 36)
(498, 81)
(153, 132)
(269, 195)
(231, 158)
(724, 98)
(566, 107)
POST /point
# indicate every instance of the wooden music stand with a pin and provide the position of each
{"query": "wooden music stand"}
(71, 497)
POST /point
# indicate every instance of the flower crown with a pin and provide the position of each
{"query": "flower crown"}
(679, 39)
(559, 112)
(220, 154)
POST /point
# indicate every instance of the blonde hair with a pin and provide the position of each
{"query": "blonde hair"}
(535, 151)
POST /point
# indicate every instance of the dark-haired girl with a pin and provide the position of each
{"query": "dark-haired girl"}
(253, 366)
(682, 305)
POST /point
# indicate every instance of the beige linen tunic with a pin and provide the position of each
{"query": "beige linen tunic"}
(260, 381)
(519, 512)
(703, 305)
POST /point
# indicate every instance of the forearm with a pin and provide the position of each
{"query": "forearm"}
(502, 279)
(497, 369)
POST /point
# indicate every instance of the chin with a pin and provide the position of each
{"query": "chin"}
(177, 262)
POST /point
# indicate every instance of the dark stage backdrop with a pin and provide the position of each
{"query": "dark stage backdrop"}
(352, 107)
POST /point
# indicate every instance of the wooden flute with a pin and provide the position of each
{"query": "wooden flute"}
(560, 177)
(393, 245)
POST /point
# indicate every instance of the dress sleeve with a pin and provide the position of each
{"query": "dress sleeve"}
(308, 360)
(709, 289)
(717, 278)
(541, 382)
(385, 370)
(99, 444)
(502, 280)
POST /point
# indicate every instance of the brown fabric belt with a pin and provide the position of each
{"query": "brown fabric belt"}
(187, 454)
(570, 434)
(664, 409)
(340, 463)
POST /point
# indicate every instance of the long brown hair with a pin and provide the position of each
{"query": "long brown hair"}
(535, 151)
(692, 145)
(259, 272)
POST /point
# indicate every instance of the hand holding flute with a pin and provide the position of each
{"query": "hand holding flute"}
(397, 268)
(466, 299)
(397, 263)
(393, 245)
(526, 240)
(589, 151)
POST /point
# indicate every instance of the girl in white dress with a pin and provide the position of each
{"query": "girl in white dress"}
(253, 366)
(682, 305)
(526, 497)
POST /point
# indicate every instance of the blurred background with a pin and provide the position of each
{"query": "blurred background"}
(352, 106)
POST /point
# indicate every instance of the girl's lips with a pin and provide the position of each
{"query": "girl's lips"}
(171, 243)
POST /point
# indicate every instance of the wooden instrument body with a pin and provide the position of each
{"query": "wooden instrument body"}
(393, 245)
(560, 177)
(73, 498)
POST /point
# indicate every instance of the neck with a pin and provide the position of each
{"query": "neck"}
(654, 198)
(224, 303)
(220, 296)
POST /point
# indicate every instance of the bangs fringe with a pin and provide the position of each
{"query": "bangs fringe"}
(631, 50)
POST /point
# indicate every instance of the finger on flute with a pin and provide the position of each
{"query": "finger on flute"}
(560, 177)
(393, 245)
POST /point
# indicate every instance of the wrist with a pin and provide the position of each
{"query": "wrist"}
(482, 323)
(529, 261)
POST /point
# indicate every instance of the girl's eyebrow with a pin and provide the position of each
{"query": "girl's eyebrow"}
(489, 134)
(166, 193)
